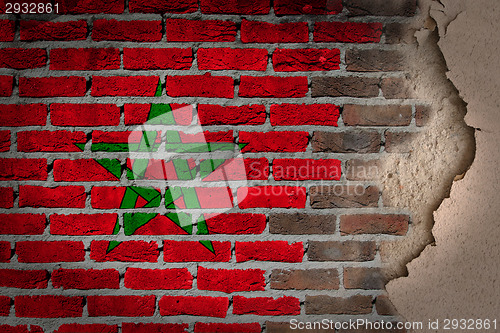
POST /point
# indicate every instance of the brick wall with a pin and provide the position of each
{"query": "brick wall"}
(314, 92)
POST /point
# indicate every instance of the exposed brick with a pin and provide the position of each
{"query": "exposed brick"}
(7, 197)
(23, 115)
(23, 169)
(83, 224)
(384, 306)
(317, 279)
(235, 7)
(144, 86)
(90, 59)
(152, 279)
(266, 306)
(87, 328)
(45, 30)
(305, 169)
(346, 142)
(377, 115)
(151, 327)
(393, 87)
(194, 306)
(283, 141)
(230, 280)
(374, 224)
(294, 7)
(235, 59)
(137, 114)
(91, 6)
(236, 223)
(21, 328)
(181, 30)
(344, 196)
(398, 33)
(347, 32)
(363, 278)
(345, 86)
(4, 142)
(341, 251)
(84, 114)
(86, 279)
(362, 170)
(400, 142)
(5, 306)
(48, 306)
(271, 197)
(7, 30)
(45, 252)
(24, 279)
(55, 197)
(22, 224)
(381, 7)
(301, 224)
(151, 59)
(64, 86)
(200, 86)
(263, 32)
(6, 85)
(304, 114)
(269, 251)
(186, 251)
(130, 31)
(373, 330)
(160, 6)
(354, 305)
(297, 60)
(129, 251)
(47, 141)
(87, 170)
(121, 306)
(273, 86)
(227, 328)
(422, 115)
(374, 60)
(231, 115)
(22, 58)
(5, 251)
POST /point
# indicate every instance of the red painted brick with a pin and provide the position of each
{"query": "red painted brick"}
(161, 6)
(194, 306)
(23, 115)
(23, 169)
(304, 114)
(150, 59)
(263, 32)
(5, 251)
(269, 251)
(84, 114)
(152, 279)
(244, 7)
(231, 280)
(266, 306)
(304, 169)
(84, 170)
(45, 30)
(20, 328)
(24, 279)
(122, 306)
(87, 328)
(186, 251)
(298, 7)
(181, 30)
(273, 86)
(91, 6)
(109, 197)
(374, 224)
(64, 86)
(129, 251)
(4, 140)
(200, 86)
(236, 59)
(347, 32)
(137, 114)
(284, 141)
(7, 30)
(5, 305)
(83, 224)
(227, 328)
(130, 31)
(56, 141)
(48, 306)
(124, 85)
(22, 224)
(44, 252)
(55, 197)
(6, 197)
(22, 58)
(237, 223)
(256, 168)
(86, 279)
(90, 59)
(287, 60)
(231, 115)
(157, 328)
(271, 197)
(6, 85)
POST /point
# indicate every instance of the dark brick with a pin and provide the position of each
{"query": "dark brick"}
(341, 251)
(377, 115)
(344, 196)
(395, 87)
(301, 224)
(363, 278)
(391, 224)
(398, 33)
(374, 60)
(400, 142)
(362, 169)
(385, 307)
(346, 142)
(317, 279)
(422, 115)
(284, 327)
(381, 7)
(345, 86)
(323, 304)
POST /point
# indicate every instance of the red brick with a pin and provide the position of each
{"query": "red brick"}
(122, 306)
(298, 7)
(6, 197)
(5, 251)
(231, 115)
(236, 223)
(83, 224)
(152, 279)
(230, 280)
(284, 141)
(271, 197)
(236, 59)
(23, 115)
(56, 141)
(22, 58)
(304, 114)
(86, 279)
(257, 168)
(64, 86)
(200, 86)
(87, 328)
(130, 31)
(89, 59)
(4, 141)
(243, 7)
(186, 251)
(263, 32)
(129, 251)
(23, 169)
(269, 251)
(293, 60)
(24, 279)
(137, 114)
(273, 86)
(6, 85)
(374, 224)
(5, 305)
(150, 59)
(181, 30)
(55, 197)
(45, 30)
(7, 30)
(195, 306)
(48, 306)
(266, 306)
(45, 252)
(84, 114)
(157, 328)
(304, 169)
(91, 6)
(20, 328)
(347, 32)
(161, 6)
(85, 170)
(22, 224)
(124, 86)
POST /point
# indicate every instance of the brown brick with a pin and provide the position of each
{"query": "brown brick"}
(343, 196)
(396, 88)
(346, 142)
(373, 330)
(345, 86)
(301, 224)
(381, 7)
(385, 307)
(400, 142)
(376, 115)
(374, 224)
(323, 304)
(363, 278)
(422, 115)
(362, 169)
(284, 327)
(374, 60)
(341, 251)
(317, 279)
(398, 33)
